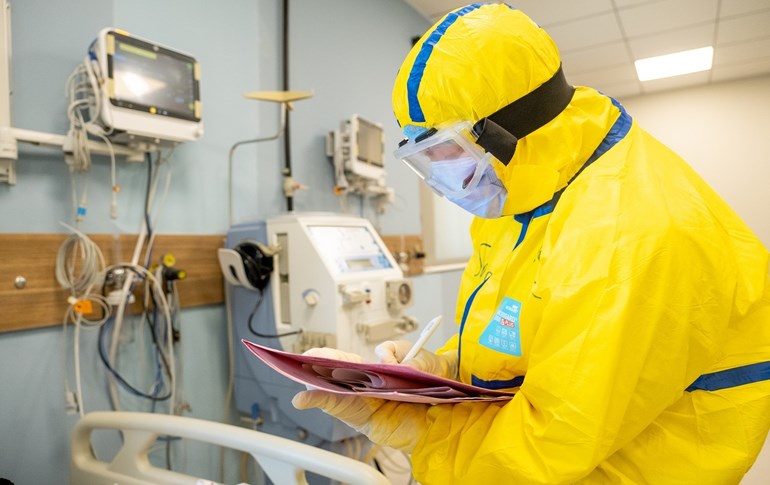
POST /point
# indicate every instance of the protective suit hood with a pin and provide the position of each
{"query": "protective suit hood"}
(481, 58)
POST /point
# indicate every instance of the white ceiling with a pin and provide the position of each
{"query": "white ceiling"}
(600, 39)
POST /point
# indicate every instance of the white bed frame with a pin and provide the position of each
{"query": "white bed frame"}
(284, 461)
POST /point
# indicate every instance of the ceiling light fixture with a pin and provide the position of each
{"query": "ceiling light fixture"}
(676, 64)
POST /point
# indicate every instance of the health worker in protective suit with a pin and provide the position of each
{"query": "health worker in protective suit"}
(636, 302)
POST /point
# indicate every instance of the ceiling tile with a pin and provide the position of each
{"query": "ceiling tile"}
(745, 27)
(595, 57)
(611, 75)
(559, 11)
(439, 7)
(676, 82)
(672, 41)
(622, 90)
(599, 29)
(629, 3)
(655, 17)
(435, 9)
(742, 52)
(740, 7)
(738, 71)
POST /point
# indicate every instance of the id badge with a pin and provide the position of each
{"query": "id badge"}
(502, 333)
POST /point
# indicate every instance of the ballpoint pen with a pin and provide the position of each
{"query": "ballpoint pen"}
(429, 329)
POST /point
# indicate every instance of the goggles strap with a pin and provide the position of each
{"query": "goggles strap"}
(499, 132)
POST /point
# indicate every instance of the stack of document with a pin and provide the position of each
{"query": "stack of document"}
(396, 382)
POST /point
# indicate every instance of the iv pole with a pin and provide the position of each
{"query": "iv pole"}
(285, 98)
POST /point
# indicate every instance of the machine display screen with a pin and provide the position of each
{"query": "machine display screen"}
(349, 248)
(370, 143)
(152, 79)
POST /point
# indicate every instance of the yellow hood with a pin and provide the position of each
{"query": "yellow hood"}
(481, 58)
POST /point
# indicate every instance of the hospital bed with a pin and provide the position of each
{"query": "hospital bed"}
(284, 461)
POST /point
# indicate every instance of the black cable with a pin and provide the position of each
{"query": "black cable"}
(287, 131)
(114, 372)
(148, 159)
(263, 335)
(102, 351)
(150, 178)
(152, 325)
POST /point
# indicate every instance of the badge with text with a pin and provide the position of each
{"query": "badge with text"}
(502, 332)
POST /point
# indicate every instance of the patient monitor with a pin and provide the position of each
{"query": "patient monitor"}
(332, 282)
(147, 91)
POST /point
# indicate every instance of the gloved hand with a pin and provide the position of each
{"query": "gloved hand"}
(442, 365)
(390, 423)
(330, 353)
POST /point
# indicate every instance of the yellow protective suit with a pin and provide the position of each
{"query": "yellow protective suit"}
(630, 306)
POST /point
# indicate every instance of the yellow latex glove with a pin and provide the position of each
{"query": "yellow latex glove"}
(330, 353)
(442, 365)
(390, 423)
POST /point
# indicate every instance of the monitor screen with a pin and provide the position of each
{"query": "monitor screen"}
(370, 149)
(150, 78)
(349, 249)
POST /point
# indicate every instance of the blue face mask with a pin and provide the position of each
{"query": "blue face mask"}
(451, 176)
(472, 185)
(486, 199)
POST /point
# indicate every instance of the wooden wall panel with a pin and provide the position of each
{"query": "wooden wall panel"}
(408, 251)
(42, 302)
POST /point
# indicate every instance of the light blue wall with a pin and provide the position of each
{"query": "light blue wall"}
(347, 51)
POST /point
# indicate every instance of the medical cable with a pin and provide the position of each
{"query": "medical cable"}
(263, 335)
(176, 316)
(85, 104)
(91, 262)
(81, 95)
(91, 266)
(147, 196)
(79, 159)
(123, 382)
(115, 188)
(166, 162)
(230, 372)
(171, 333)
(152, 325)
(126, 290)
(162, 304)
(79, 321)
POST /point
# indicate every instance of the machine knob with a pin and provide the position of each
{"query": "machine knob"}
(311, 297)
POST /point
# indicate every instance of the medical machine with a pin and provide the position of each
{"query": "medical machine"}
(146, 91)
(308, 280)
(357, 147)
(357, 151)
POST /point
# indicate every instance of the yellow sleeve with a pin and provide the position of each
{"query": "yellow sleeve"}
(617, 345)
(451, 345)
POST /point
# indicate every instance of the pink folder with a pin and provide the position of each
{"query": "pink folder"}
(386, 381)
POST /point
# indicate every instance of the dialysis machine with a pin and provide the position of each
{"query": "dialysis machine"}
(301, 281)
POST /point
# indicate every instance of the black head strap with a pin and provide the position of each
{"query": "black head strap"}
(499, 132)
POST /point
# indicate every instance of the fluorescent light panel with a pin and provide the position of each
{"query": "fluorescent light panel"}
(676, 64)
